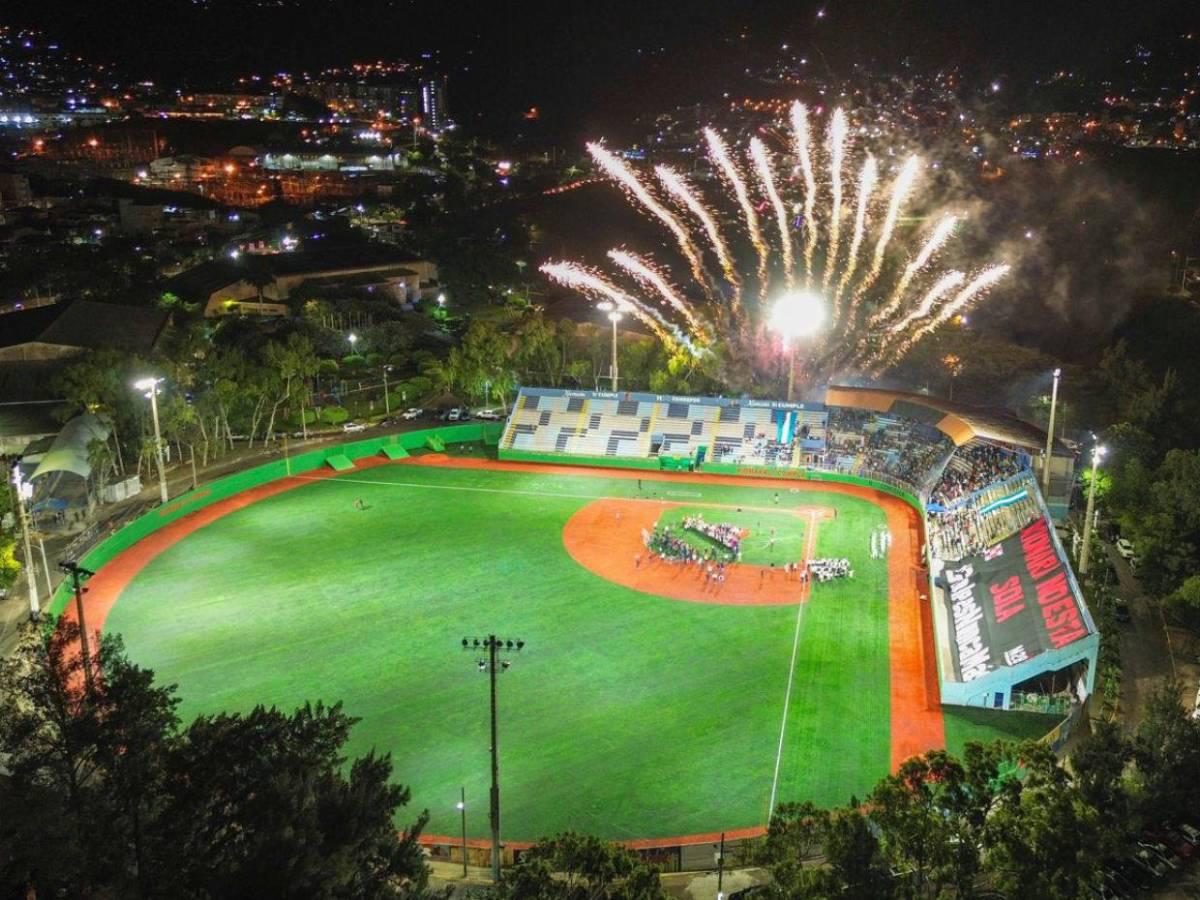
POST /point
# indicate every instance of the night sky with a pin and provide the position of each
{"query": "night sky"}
(588, 65)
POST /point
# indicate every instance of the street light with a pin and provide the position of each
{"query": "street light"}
(24, 493)
(462, 808)
(150, 386)
(1050, 436)
(614, 316)
(494, 645)
(387, 403)
(353, 338)
(1097, 454)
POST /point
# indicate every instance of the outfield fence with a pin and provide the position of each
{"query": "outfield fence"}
(229, 485)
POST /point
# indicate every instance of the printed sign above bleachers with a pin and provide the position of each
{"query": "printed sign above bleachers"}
(1016, 600)
(672, 398)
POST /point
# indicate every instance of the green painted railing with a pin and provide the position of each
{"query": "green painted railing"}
(222, 488)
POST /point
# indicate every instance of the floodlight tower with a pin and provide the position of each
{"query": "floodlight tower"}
(1050, 436)
(150, 386)
(1097, 454)
(795, 315)
(490, 664)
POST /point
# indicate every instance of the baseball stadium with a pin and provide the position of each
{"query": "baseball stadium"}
(705, 606)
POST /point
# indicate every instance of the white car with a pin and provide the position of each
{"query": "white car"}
(490, 415)
(411, 413)
(1124, 548)
(353, 427)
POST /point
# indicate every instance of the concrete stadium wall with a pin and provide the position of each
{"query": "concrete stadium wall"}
(222, 488)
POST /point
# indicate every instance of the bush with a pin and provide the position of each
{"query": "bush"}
(310, 416)
(327, 367)
(334, 415)
(354, 362)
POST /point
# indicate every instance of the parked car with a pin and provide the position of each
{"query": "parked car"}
(490, 415)
(353, 427)
(412, 413)
(1121, 612)
(1125, 548)
(452, 415)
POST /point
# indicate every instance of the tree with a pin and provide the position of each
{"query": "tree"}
(854, 856)
(1099, 764)
(916, 811)
(116, 800)
(579, 867)
(1166, 750)
(795, 836)
(1042, 837)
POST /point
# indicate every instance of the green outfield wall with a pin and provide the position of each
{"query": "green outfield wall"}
(567, 459)
(222, 488)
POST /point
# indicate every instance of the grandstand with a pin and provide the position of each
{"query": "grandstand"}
(1010, 625)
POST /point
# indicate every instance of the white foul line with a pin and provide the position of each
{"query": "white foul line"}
(787, 697)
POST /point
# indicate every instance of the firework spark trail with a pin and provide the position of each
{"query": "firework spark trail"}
(719, 154)
(944, 285)
(766, 175)
(901, 188)
(866, 184)
(802, 140)
(980, 283)
(677, 186)
(643, 270)
(937, 240)
(619, 171)
(575, 276)
(837, 155)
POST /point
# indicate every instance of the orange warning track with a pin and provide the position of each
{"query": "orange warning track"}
(916, 719)
(606, 537)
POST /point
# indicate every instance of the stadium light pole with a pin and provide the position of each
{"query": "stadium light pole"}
(150, 386)
(494, 645)
(1050, 436)
(24, 493)
(78, 573)
(462, 808)
(614, 316)
(387, 404)
(1097, 454)
(797, 314)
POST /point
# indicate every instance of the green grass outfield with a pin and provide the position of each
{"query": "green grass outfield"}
(627, 715)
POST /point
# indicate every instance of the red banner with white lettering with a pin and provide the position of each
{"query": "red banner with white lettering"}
(1011, 603)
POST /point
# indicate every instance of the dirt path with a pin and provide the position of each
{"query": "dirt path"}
(606, 537)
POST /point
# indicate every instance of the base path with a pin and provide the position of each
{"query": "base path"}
(606, 537)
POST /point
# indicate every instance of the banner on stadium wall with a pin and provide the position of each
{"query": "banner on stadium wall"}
(1010, 603)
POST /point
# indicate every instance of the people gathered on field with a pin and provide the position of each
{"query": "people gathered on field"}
(728, 536)
(829, 569)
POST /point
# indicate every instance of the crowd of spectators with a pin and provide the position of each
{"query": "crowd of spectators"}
(863, 443)
(973, 467)
(966, 531)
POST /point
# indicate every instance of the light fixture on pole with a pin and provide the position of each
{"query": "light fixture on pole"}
(462, 808)
(1097, 454)
(1050, 436)
(795, 315)
(387, 403)
(353, 339)
(493, 646)
(614, 316)
(78, 573)
(24, 494)
(150, 387)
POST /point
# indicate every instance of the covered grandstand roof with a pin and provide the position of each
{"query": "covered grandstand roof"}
(959, 421)
(69, 452)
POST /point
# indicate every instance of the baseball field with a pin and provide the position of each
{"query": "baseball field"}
(648, 701)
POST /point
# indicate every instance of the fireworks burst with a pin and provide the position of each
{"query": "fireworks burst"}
(879, 299)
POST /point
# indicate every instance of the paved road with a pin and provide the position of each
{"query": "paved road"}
(1145, 655)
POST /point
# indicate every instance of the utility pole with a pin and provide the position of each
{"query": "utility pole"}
(1050, 436)
(1097, 453)
(494, 645)
(721, 869)
(78, 573)
(24, 493)
(462, 808)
